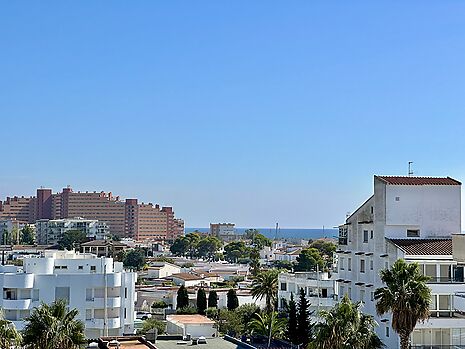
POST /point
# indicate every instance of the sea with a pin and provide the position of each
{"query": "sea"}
(284, 233)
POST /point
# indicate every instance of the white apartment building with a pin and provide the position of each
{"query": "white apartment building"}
(411, 218)
(318, 287)
(7, 226)
(99, 288)
(49, 232)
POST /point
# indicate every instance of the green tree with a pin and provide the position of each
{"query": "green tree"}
(291, 333)
(269, 325)
(303, 321)
(265, 285)
(212, 299)
(72, 239)
(254, 261)
(232, 300)
(5, 237)
(27, 235)
(229, 322)
(53, 327)
(326, 249)
(201, 301)
(9, 336)
(247, 312)
(134, 259)
(309, 259)
(258, 240)
(236, 250)
(406, 295)
(208, 246)
(180, 247)
(345, 326)
(151, 323)
(182, 298)
(193, 240)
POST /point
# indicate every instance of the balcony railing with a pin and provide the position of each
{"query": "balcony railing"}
(445, 280)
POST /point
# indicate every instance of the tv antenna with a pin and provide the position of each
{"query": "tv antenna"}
(410, 171)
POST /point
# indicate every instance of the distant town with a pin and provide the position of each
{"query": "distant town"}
(135, 278)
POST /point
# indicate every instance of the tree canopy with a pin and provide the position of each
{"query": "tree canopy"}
(309, 259)
(134, 259)
(72, 239)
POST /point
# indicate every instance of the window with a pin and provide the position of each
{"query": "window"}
(371, 264)
(387, 331)
(88, 314)
(125, 292)
(349, 264)
(362, 296)
(372, 210)
(372, 296)
(341, 262)
(397, 198)
(92, 268)
(413, 233)
(386, 265)
(371, 234)
(362, 265)
(283, 286)
(365, 236)
(80, 267)
(349, 292)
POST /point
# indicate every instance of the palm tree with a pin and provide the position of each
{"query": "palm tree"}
(9, 336)
(265, 284)
(345, 326)
(53, 327)
(406, 295)
(269, 325)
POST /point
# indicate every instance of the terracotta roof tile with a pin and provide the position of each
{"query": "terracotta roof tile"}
(401, 180)
(424, 246)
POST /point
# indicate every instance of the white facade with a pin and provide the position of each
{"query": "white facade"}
(318, 287)
(224, 231)
(7, 226)
(159, 270)
(401, 208)
(194, 325)
(49, 232)
(84, 280)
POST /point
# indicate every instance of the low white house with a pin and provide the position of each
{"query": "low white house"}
(159, 270)
(99, 288)
(194, 325)
(189, 280)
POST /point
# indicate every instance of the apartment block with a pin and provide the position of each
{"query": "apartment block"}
(224, 231)
(51, 231)
(101, 290)
(124, 218)
(413, 218)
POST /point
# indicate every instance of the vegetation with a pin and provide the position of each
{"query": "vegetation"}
(303, 321)
(254, 261)
(345, 326)
(213, 299)
(201, 301)
(309, 259)
(232, 300)
(265, 285)
(194, 245)
(53, 327)
(152, 323)
(229, 322)
(258, 240)
(247, 312)
(291, 332)
(235, 251)
(134, 259)
(406, 295)
(72, 239)
(9, 336)
(27, 235)
(159, 305)
(182, 298)
(269, 325)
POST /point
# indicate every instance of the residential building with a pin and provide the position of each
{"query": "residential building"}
(224, 231)
(7, 228)
(319, 289)
(50, 232)
(195, 325)
(411, 218)
(103, 248)
(159, 270)
(102, 291)
(124, 218)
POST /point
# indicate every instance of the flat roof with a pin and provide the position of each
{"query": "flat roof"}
(190, 319)
(212, 343)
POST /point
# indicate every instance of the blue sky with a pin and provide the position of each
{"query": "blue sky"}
(246, 111)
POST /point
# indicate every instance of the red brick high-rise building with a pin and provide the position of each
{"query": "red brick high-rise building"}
(125, 218)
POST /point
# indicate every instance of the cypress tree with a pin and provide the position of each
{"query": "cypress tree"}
(182, 298)
(201, 301)
(303, 322)
(292, 334)
(233, 301)
(212, 299)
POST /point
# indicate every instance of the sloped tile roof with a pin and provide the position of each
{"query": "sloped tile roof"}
(424, 247)
(402, 180)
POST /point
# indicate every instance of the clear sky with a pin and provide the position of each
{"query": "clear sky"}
(253, 112)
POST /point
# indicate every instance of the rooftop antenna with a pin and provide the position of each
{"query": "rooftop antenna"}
(410, 171)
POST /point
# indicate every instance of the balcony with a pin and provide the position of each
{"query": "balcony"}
(445, 280)
(112, 302)
(18, 281)
(17, 304)
(99, 323)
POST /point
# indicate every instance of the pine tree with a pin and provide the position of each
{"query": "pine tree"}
(233, 301)
(201, 301)
(292, 334)
(213, 299)
(303, 322)
(182, 298)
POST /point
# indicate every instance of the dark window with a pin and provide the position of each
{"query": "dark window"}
(283, 286)
(371, 234)
(365, 236)
(413, 233)
(362, 265)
